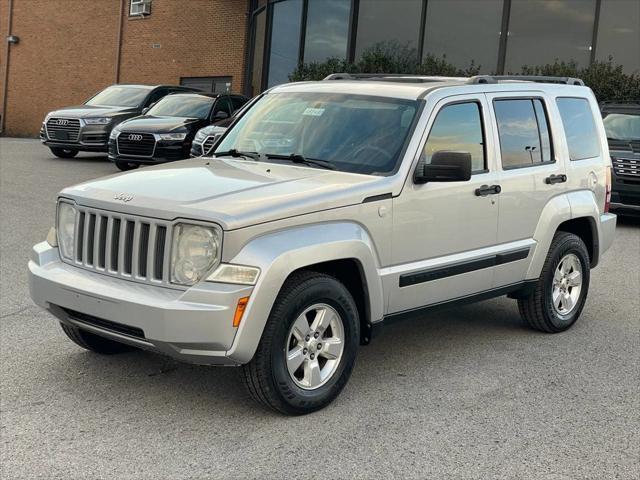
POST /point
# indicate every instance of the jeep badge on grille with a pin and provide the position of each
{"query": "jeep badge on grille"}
(123, 196)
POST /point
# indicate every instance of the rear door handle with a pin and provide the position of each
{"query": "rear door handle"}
(551, 179)
(485, 190)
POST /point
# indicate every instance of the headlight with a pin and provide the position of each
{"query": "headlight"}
(194, 253)
(66, 228)
(200, 136)
(173, 136)
(97, 121)
(114, 133)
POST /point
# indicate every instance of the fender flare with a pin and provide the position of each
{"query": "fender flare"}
(280, 253)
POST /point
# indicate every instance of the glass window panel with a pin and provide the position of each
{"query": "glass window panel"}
(457, 128)
(541, 31)
(327, 30)
(579, 128)
(395, 23)
(518, 131)
(285, 40)
(464, 30)
(622, 126)
(619, 33)
(260, 24)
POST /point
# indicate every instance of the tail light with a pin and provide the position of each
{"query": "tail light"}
(607, 198)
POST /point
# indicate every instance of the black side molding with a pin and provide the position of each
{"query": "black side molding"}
(437, 273)
(376, 198)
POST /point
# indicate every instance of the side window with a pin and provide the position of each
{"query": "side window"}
(458, 127)
(223, 105)
(155, 96)
(523, 129)
(238, 102)
(579, 127)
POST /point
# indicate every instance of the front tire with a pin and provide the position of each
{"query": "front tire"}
(125, 166)
(308, 347)
(63, 152)
(561, 290)
(92, 342)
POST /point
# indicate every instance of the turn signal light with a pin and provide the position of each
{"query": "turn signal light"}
(242, 306)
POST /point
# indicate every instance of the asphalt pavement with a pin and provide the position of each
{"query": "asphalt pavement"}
(470, 392)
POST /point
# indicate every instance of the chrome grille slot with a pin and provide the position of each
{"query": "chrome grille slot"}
(63, 129)
(626, 166)
(122, 245)
(208, 144)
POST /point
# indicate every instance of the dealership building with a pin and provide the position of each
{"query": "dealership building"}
(60, 52)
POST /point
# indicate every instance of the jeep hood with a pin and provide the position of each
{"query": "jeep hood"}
(232, 192)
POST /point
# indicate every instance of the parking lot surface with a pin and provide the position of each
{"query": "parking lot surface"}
(465, 393)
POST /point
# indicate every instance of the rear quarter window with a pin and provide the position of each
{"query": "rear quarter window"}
(579, 127)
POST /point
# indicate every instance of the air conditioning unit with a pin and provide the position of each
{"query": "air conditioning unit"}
(140, 7)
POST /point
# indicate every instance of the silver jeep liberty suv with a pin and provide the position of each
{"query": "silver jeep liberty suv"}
(328, 209)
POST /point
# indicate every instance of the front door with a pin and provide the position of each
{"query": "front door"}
(444, 234)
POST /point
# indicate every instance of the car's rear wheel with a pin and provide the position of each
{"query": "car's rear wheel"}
(124, 166)
(63, 152)
(308, 347)
(561, 290)
(92, 342)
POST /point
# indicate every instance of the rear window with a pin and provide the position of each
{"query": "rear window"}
(579, 128)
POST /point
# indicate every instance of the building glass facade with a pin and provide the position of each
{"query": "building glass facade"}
(500, 36)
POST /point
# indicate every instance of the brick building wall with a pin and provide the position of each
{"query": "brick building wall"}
(68, 50)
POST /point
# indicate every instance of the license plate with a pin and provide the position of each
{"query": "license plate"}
(62, 135)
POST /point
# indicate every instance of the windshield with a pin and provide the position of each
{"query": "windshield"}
(182, 106)
(622, 126)
(355, 133)
(118, 96)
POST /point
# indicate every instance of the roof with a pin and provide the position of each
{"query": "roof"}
(412, 87)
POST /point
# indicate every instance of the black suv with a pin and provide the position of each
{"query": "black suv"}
(86, 127)
(165, 132)
(622, 124)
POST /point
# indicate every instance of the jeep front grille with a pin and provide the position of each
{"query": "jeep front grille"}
(63, 129)
(135, 248)
(136, 144)
(626, 166)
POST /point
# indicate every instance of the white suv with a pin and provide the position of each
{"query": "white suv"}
(329, 209)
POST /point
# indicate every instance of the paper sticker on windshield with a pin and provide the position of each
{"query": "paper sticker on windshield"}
(313, 112)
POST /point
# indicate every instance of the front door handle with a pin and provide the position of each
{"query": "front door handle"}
(485, 190)
(551, 179)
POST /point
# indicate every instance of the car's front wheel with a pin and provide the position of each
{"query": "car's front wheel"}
(124, 166)
(63, 152)
(308, 347)
(92, 342)
(561, 290)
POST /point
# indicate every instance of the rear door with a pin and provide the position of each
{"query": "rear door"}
(530, 174)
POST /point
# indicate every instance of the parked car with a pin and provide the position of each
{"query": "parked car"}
(207, 137)
(331, 209)
(86, 127)
(622, 124)
(165, 132)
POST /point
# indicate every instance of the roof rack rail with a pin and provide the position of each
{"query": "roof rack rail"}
(525, 78)
(391, 77)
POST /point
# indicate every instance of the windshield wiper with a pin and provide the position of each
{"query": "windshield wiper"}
(237, 154)
(297, 158)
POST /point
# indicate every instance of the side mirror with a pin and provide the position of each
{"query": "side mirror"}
(220, 115)
(445, 166)
(145, 110)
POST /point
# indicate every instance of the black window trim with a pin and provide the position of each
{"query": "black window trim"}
(551, 136)
(478, 102)
(565, 133)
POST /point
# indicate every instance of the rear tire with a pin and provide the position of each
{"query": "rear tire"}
(63, 152)
(561, 290)
(309, 303)
(92, 342)
(125, 166)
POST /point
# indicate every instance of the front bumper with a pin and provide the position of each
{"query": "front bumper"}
(193, 325)
(91, 138)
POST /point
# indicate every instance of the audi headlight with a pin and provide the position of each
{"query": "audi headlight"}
(97, 120)
(66, 228)
(195, 252)
(200, 136)
(173, 136)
